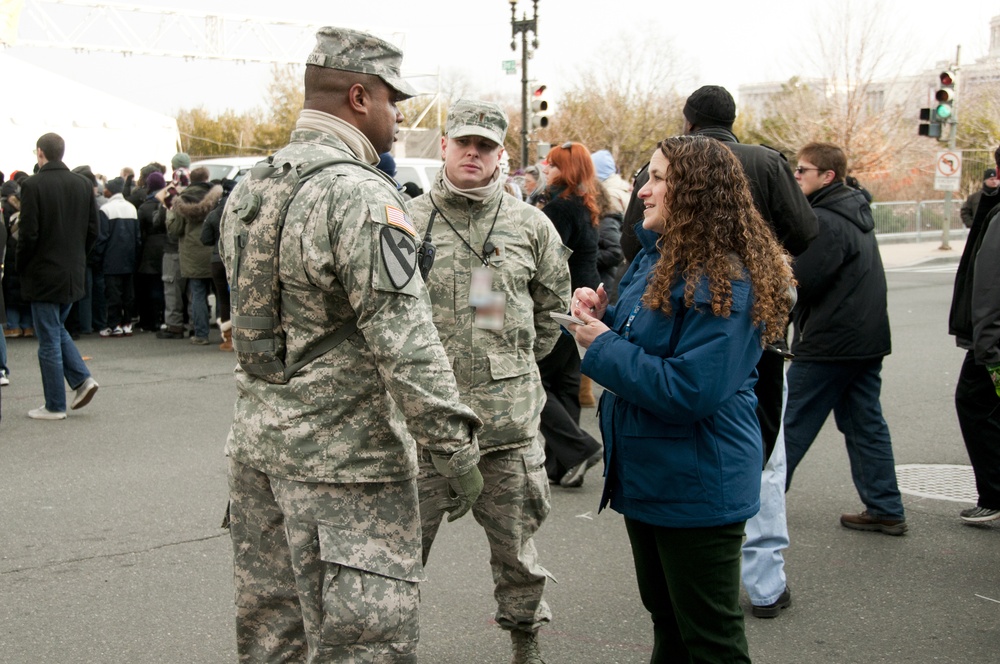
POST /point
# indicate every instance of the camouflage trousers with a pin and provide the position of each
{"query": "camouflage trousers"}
(511, 508)
(324, 572)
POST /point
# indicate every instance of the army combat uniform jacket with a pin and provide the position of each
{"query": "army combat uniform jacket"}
(343, 418)
(496, 369)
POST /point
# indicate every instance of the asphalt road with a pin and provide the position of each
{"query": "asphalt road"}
(110, 547)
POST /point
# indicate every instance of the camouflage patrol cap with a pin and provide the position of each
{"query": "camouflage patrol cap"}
(477, 118)
(351, 50)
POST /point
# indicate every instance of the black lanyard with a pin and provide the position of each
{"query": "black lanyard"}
(488, 247)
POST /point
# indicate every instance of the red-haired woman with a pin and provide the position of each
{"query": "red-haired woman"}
(572, 207)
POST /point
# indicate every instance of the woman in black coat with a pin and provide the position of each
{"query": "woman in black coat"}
(149, 273)
(571, 205)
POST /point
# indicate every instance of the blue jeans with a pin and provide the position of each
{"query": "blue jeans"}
(198, 290)
(57, 354)
(851, 390)
(19, 317)
(767, 531)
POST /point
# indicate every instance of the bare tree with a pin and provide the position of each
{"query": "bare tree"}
(979, 111)
(249, 133)
(228, 133)
(858, 101)
(430, 110)
(625, 100)
(285, 98)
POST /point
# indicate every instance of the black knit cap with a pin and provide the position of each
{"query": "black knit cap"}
(115, 185)
(990, 173)
(710, 106)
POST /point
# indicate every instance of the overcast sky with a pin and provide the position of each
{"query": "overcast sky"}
(723, 42)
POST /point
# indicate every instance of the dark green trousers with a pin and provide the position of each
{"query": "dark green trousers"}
(689, 581)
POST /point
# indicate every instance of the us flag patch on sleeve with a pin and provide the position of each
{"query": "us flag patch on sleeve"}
(396, 217)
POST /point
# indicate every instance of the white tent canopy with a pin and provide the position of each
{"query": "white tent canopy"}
(103, 131)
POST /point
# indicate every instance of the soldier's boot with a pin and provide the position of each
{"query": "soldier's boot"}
(226, 327)
(525, 648)
(586, 392)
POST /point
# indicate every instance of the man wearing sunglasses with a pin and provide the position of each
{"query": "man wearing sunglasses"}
(841, 336)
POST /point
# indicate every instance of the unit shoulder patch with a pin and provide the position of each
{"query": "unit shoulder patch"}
(399, 255)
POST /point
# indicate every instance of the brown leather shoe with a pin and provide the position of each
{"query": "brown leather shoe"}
(866, 521)
(226, 328)
(586, 392)
(28, 332)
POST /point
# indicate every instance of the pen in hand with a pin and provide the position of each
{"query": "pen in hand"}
(598, 291)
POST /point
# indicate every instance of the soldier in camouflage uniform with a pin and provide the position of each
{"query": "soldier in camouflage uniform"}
(324, 508)
(500, 269)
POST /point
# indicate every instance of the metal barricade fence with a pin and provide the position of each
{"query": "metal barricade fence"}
(916, 220)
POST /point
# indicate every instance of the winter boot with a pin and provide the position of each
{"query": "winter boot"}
(226, 327)
(525, 648)
(586, 392)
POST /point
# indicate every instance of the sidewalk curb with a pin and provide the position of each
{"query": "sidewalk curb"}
(930, 260)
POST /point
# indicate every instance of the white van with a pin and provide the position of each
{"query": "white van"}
(421, 172)
(228, 168)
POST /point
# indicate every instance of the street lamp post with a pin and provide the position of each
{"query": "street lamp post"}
(524, 26)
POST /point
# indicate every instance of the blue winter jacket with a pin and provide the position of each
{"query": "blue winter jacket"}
(682, 441)
(119, 242)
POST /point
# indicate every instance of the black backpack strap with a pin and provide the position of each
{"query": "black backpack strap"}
(338, 336)
(324, 346)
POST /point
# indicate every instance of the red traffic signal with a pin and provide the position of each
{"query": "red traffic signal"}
(945, 96)
(539, 109)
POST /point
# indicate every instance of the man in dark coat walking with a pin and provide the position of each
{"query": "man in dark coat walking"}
(58, 228)
(841, 336)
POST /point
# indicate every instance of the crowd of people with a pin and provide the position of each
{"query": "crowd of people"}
(408, 356)
(153, 263)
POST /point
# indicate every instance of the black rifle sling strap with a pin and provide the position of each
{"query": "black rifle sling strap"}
(338, 336)
(330, 341)
(425, 261)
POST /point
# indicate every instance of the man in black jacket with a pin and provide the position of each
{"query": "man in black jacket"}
(58, 228)
(991, 183)
(841, 336)
(974, 320)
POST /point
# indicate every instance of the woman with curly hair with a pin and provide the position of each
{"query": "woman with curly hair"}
(676, 355)
(571, 205)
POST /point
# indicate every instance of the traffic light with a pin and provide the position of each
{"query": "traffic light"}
(539, 109)
(928, 126)
(945, 98)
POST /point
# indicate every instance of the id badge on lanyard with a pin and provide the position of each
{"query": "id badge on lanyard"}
(489, 306)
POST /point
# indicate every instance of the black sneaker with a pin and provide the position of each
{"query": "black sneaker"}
(574, 476)
(979, 515)
(772, 610)
(169, 334)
